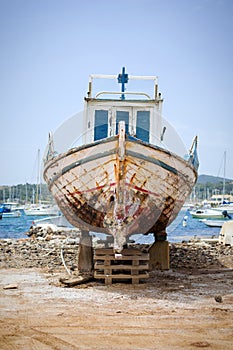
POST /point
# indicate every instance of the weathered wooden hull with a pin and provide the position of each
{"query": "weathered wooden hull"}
(142, 191)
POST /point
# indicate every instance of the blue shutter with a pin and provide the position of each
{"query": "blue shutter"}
(101, 125)
(143, 125)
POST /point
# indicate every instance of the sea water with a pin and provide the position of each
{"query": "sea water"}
(177, 232)
(17, 228)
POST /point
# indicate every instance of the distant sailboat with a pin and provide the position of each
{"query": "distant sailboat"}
(225, 205)
(223, 211)
(38, 208)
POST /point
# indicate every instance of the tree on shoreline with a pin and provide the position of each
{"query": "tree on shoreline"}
(25, 193)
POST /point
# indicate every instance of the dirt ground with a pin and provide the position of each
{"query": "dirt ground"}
(174, 309)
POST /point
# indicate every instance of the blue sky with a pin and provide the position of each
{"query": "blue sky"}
(49, 48)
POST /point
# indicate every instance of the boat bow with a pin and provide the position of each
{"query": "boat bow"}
(121, 180)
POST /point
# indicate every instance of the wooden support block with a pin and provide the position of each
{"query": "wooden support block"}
(85, 253)
(159, 256)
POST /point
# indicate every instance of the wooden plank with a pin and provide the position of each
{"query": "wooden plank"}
(109, 251)
(121, 276)
(123, 267)
(125, 257)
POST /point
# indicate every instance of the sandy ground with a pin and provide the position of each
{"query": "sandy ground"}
(171, 310)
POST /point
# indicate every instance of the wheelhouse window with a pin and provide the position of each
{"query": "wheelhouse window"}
(143, 125)
(122, 116)
(101, 125)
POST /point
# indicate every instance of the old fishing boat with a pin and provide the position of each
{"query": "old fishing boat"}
(127, 176)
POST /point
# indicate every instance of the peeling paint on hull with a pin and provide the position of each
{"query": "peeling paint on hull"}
(140, 192)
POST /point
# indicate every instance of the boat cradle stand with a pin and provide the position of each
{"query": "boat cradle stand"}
(130, 265)
(159, 253)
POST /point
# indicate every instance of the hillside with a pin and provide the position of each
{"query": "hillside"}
(204, 179)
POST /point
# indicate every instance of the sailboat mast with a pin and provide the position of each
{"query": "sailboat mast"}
(38, 178)
(224, 176)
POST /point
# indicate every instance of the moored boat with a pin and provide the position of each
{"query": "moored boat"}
(225, 206)
(207, 213)
(210, 213)
(7, 211)
(41, 210)
(127, 177)
(58, 220)
(215, 222)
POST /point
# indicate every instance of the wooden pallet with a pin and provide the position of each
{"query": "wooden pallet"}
(131, 265)
(109, 241)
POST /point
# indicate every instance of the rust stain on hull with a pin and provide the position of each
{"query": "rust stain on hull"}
(134, 194)
(122, 180)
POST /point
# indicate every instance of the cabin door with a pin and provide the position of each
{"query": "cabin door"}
(126, 115)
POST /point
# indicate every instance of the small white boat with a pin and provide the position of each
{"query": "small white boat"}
(12, 214)
(215, 222)
(42, 210)
(226, 206)
(7, 211)
(59, 221)
(207, 213)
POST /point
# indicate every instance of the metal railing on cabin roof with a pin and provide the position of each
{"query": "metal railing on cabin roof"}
(123, 79)
(120, 93)
(131, 77)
